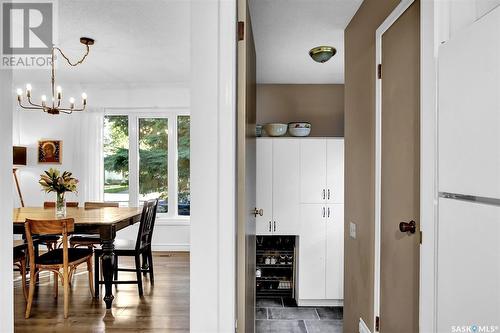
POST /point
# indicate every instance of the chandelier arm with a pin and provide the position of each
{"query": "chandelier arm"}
(33, 104)
(29, 107)
(69, 61)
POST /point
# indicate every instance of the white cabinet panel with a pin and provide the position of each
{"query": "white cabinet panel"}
(286, 186)
(335, 170)
(469, 110)
(468, 283)
(312, 170)
(312, 251)
(264, 185)
(335, 252)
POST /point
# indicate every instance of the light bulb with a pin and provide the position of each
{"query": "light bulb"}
(72, 100)
(28, 87)
(44, 98)
(19, 92)
(59, 89)
(84, 96)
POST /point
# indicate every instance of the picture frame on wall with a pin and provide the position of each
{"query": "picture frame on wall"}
(50, 151)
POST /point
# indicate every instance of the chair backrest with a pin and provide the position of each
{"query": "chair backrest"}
(147, 224)
(48, 227)
(95, 205)
(52, 204)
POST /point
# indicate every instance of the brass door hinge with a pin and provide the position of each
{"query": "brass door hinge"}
(379, 71)
(241, 30)
(377, 324)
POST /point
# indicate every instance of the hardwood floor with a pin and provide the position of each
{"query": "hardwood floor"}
(163, 308)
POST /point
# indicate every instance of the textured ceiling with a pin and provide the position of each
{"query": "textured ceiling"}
(285, 31)
(138, 42)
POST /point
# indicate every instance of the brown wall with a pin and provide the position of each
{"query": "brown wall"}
(320, 104)
(360, 159)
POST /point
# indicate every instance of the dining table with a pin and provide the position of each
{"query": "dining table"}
(104, 222)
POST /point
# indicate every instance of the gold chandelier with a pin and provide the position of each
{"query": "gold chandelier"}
(55, 105)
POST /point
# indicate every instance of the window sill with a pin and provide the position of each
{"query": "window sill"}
(173, 221)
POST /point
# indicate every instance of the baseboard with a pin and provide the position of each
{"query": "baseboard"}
(320, 302)
(171, 247)
(362, 327)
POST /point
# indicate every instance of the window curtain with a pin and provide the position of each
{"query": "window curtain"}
(91, 149)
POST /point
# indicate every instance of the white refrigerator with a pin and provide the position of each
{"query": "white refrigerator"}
(468, 240)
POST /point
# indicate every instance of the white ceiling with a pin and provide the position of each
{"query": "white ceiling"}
(138, 43)
(285, 31)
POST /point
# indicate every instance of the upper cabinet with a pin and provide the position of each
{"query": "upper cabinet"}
(322, 170)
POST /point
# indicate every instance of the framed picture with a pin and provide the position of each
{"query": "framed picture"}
(50, 151)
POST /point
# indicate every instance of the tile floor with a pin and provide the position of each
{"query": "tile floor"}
(278, 315)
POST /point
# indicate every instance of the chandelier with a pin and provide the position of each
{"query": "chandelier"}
(55, 105)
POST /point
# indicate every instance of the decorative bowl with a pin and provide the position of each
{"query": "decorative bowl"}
(299, 129)
(275, 129)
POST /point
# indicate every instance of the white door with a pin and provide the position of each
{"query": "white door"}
(335, 170)
(335, 251)
(312, 170)
(264, 186)
(285, 186)
(312, 251)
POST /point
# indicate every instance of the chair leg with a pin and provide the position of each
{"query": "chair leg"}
(66, 292)
(145, 263)
(150, 262)
(138, 273)
(56, 284)
(23, 278)
(96, 275)
(31, 293)
(91, 278)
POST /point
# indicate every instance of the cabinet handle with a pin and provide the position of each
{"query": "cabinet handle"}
(270, 226)
(328, 194)
(274, 226)
(323, 211)
(328, 211)
(323, 194)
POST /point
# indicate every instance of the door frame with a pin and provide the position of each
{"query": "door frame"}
(428, 159)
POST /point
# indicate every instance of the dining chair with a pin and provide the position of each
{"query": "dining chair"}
(90, 241)
(19, 250)
(125, 248)
(67, 259)
(50, 241)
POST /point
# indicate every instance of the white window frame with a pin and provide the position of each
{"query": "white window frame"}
(171, 114)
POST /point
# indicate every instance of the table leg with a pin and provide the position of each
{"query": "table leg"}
(108, 262)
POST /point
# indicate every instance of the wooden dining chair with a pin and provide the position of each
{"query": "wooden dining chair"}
(67, 259)
(20, 248)
(50, 241)
(90, 241)
(127, 249)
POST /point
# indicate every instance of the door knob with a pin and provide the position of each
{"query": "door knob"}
(410, 227)
(258, 212)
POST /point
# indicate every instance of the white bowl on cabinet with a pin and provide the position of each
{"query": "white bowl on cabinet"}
(275, 129)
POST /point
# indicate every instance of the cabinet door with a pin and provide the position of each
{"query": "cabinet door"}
(312, 251)
(286, 186)
(335, 170)
(264, 174)
(335, 251)
(312, 170)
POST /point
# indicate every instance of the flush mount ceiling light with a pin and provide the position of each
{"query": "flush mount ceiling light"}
(322, 53)
(54, 106)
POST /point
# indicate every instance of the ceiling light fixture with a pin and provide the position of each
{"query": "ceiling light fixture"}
(54, 106)
(322, 53)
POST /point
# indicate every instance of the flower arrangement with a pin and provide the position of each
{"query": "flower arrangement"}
(54, 181)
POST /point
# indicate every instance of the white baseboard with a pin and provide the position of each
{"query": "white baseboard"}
(171, 247)
(320, 302)
(362, 327)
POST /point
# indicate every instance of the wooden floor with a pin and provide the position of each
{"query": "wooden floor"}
(163, 308)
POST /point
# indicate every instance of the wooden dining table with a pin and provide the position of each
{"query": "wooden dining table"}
(104, 222)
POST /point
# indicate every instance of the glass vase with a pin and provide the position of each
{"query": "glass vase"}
(60, 206)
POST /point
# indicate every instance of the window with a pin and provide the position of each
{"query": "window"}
(147, 155)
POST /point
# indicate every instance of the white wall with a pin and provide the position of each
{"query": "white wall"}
(31, 126)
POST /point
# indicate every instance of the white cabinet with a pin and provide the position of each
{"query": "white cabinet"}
(321, 245)
(278, 186)
(322, 170)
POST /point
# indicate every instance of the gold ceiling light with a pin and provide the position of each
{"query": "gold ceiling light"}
(322, 53)
(54, 106)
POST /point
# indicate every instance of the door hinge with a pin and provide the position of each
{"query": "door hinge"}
(379, 71)
(421, 237)
(377, 324)
(241, 30)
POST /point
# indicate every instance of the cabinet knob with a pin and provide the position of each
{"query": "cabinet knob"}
(259, 212)
(408, 227)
